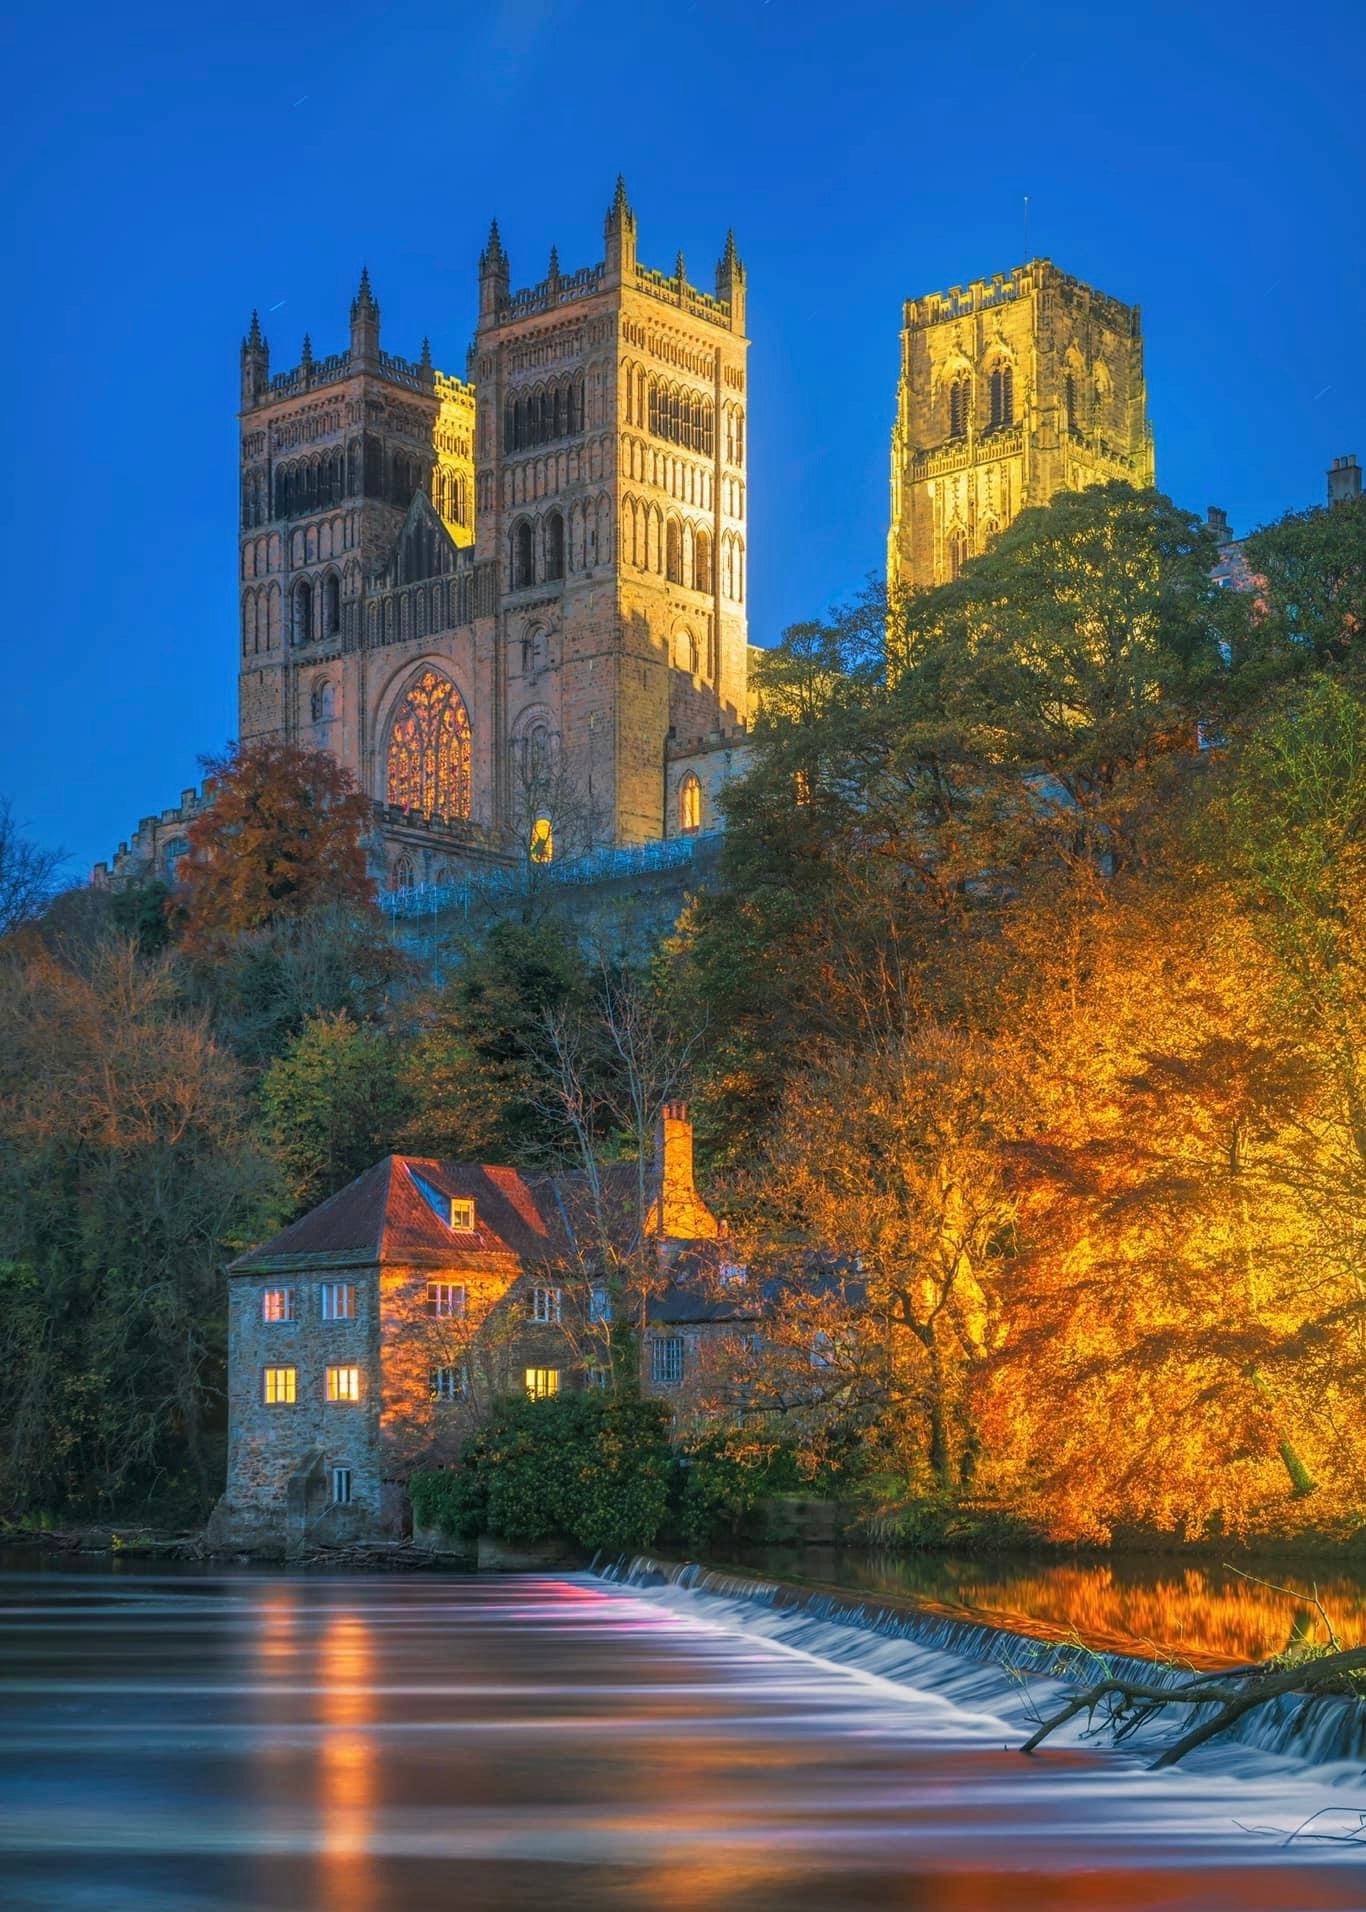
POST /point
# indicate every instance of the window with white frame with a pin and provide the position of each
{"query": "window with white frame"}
(280, 1387)
(666, 1361)
(545, 1304)
(599, 1377)
(341, 1486)
(448, 1384)
(541, 1383)
(446, 1300)
(277, 1304)
(343, 1384)
(462, 1216)
(599, 1302)
(339, 1301)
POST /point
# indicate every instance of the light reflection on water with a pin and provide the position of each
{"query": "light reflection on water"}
(1206, 1613)
(213, 1743)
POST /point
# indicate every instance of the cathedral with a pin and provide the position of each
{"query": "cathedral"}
(513, 603)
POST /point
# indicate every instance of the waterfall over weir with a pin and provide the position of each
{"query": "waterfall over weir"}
(979, 1667)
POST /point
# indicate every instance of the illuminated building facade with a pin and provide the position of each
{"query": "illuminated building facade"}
(513, 593)
(1011, 390)
(371, 1337)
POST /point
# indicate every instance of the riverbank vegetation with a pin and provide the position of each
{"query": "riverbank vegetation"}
(1029, 1009)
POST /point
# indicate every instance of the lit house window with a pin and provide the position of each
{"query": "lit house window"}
(456, 1211)
(545, 1304)
(690, 804)
(462, 1216)
(339, 1301)
(445, 1300)
(277, 1304)
(599, 1302)
(343, 1384)
(448, 1384)
(280, 1387)
(341, 1486)
(666, 1361)
(541, 1383)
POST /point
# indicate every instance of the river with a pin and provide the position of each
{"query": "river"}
(200, 1741)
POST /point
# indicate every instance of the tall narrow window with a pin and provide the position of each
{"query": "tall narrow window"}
(666, 1361)
(701, 562)
(673, 551)
(1002, 385)
(545, 1304)
(341, 1486)
(690, 804)
(600, 1302)
(957, 551)
(331, 604)
(403, 873)
(554, 545)
(960, 404)
(303, 612)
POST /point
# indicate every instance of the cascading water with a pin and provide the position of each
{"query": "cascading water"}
(975, 1665)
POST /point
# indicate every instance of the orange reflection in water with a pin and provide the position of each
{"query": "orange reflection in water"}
(347, 1765)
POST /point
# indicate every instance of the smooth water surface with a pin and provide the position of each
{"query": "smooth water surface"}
(187, 1742)
(1209, 1613)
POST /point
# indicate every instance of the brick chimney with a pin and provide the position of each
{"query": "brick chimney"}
(1216, 521)
(1344, 480)
(679, 1213)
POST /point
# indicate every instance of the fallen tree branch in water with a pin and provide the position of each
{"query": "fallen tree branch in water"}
(1126, 1704)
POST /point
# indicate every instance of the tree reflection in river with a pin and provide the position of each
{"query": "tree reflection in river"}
(260, 1743)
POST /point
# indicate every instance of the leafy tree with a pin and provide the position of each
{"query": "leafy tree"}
(1311, 573)
(282, 836)
(332, 1104)
(128, 1176)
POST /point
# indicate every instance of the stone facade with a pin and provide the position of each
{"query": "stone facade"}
(1011, 390)
(373, 1335)
(554, 546)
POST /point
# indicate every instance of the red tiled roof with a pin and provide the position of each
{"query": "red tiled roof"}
(384, 1217)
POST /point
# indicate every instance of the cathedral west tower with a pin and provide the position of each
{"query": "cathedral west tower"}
(1011, 390)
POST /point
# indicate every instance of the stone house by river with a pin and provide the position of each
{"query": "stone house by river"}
(370, 1337)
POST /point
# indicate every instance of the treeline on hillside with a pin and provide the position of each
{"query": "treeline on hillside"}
(1029, 1010)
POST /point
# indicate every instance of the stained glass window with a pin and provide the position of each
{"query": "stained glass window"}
(429, 750)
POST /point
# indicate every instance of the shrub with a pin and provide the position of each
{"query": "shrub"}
(590, 1468)
(724, 1478)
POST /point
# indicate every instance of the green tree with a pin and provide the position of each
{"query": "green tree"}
(1311, 572)
(333, 1104)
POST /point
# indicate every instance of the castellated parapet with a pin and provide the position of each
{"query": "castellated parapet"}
(1011, 389)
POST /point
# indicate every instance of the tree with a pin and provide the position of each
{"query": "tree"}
(1311, 575)
(128, 1177)
(282, 836)
(332, 1104)
(26, 873)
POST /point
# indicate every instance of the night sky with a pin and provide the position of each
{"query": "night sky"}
(168, 169)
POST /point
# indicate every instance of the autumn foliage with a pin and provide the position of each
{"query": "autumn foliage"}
(281, 837)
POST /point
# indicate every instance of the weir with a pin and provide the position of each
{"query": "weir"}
(975, 1664)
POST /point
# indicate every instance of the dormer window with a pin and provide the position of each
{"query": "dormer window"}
(456, 1211)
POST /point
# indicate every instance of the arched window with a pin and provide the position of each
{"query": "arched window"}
(331, 605)
(322, 703)
(960, 406)
(429, 749)
(523, 558)
(701, 561)
(402, 878)
(303, 612)
(541, 848)
(673, 551)
(1002, 385)
(690, 803)
(958, 550)
(554, 545)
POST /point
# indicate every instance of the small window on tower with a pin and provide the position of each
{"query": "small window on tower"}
(690, 804)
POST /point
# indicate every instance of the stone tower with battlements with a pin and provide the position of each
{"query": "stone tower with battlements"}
(1011, 390)
(516, 595)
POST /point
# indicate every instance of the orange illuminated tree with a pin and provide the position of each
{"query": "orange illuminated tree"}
(281, 838)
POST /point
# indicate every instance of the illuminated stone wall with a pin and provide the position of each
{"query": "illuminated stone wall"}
(1010, 390)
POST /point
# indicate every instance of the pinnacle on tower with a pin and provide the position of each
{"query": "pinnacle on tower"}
(365, 304)
(493, 258)
(730, 282)
(680, 268)
(619, 232)
(306, 355)
(254, 342)
(426, 359)
(553, 270)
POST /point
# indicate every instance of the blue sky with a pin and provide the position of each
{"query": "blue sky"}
(167, 169)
